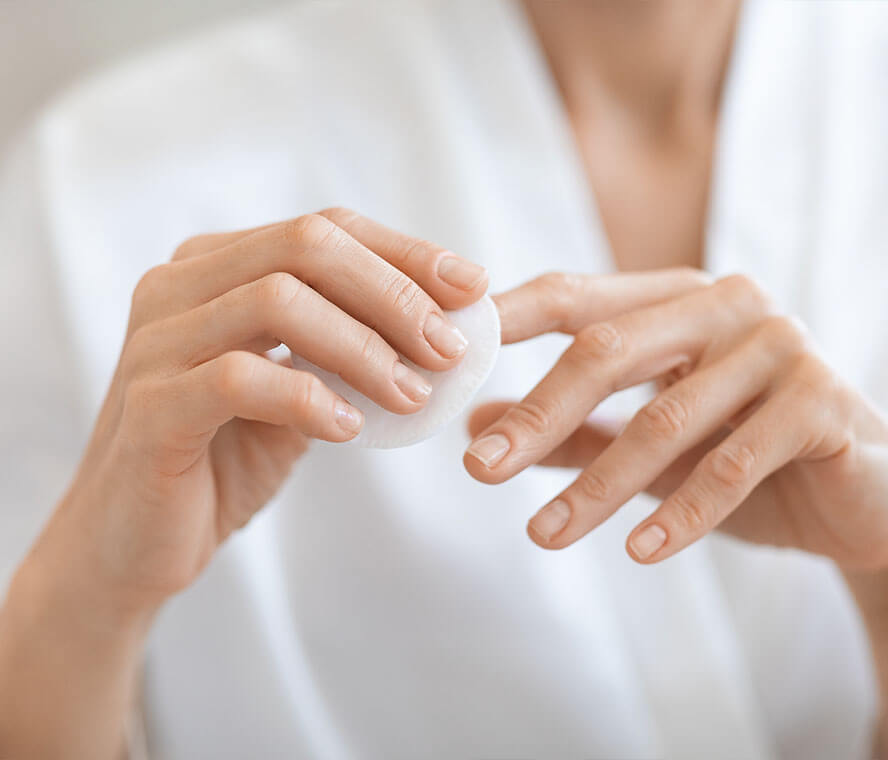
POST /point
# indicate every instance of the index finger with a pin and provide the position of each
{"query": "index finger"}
(452, 281)
(605, 357)
(564, 302)
(326, 257)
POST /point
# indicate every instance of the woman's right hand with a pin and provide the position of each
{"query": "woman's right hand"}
(199, 427)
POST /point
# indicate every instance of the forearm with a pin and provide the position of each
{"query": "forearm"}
(68, 664)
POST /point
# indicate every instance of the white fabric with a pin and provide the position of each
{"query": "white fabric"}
(451, 390)
(386, 605)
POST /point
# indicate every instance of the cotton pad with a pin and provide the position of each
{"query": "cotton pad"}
(451, 390)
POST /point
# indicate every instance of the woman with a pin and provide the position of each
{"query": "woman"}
(386, 604)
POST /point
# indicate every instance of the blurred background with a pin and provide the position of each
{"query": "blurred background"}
(47, 44)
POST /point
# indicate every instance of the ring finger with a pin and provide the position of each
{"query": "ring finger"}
(676, 420)
(604, 358)
(280, 309)
(332, 262)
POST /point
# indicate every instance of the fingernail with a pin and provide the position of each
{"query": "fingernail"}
(647, 541)
(347, 417)
(551, 519)
(459, 273)
(444, 337)
(490, 450)
(412, 385)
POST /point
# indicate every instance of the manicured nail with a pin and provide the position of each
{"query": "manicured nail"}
(444, 337)
(551, 519)
(460, 273)
(347, 417)
(647, 541)
(490, 449)
(412, 385)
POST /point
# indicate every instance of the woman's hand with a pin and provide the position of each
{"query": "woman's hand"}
(199, 427)
(750, 430)
(197, 432)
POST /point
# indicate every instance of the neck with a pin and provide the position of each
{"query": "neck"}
(656, 62)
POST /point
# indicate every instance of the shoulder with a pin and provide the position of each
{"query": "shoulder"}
(312, 88)
(310, 58)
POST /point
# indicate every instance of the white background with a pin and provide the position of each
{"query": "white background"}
(47, 44)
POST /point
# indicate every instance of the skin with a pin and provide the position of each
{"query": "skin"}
(751, 432)
(197, 432)
(641, 84)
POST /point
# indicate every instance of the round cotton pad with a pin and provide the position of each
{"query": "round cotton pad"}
(451, 391)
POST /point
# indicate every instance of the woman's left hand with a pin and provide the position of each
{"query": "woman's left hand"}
(750, 431)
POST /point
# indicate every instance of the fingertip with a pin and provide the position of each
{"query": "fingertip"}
(349, 419)
(646, 543)
(483, 456)
(464, 281)
(534, 536)
(478, 471)
(554, 544)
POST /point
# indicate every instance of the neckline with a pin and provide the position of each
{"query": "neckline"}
(573, 164)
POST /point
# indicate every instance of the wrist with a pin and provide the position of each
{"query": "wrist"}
(60, 582)
(69, 660)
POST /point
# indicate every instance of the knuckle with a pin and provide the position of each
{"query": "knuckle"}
(695, 277)
(137, 346)
(731, 467)
(591, 486)
(404, 294)
(813, 384)
(555, 290)
(666, 416)
(691, 512)
(190, 247)
(149, 290)
(234, 375)
(339, 215)
(369, 348)
(784, 332)
(138, 402)
(603, 340)
(419, 251)
(553, 283)
(278, 291)
(311, 230)
(737, 283)
(530, 416)
(307, 390)
(745, 291)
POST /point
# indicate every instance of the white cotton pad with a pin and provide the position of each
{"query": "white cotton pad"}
(451, 391)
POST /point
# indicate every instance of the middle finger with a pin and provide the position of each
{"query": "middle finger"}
(678, 419)
(330, 261)
(606, 357)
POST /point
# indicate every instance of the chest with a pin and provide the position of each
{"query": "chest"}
(651, 193)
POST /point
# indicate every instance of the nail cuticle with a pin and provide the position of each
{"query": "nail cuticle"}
(460, 273)
(490, 450)
(648, 541)
(350, 419)
(444, 337)
(410, 383)
(551, 519)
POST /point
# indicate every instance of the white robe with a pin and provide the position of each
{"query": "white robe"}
(386, 605)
